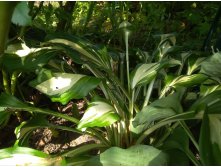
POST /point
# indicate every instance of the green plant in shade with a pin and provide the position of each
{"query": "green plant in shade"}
(138, 120)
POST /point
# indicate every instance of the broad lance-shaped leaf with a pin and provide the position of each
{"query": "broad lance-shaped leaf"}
(26, 59)
(24, 156)
(188, 80)
(177, 146)
(96, 55)
(98, 114)
(212, 66)
(210, 135)
(137, 155)
(156, 111)
(62, 87)
(210, 132)
(25, 129)
(11, 102)
(4, 116)
(143, 74)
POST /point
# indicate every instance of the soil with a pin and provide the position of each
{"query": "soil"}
(51, 141)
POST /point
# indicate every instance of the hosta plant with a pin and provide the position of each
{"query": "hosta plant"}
(139, 114)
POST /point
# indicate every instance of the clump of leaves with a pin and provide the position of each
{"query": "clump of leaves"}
(137, 119)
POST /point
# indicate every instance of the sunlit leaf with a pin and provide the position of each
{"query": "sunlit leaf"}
(144, 74)
(98, 114)
(193, 64)
(20, 15)
(207, 89)
(188, 80)
(137, 155)
(62, 87)
(30, 61)
(23, 156)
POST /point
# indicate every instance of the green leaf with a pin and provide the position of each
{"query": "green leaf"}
(212, 66)
(12, 102)
(207, 89)
(62, 87)
(25, 129)
(137, 155)
(210, 138)
(20, 15)
(177, 158)
(23, 156)
(158, 110)
(151, 114)
(28, 62)
(209, 100)
(144, 74)
(4, 116)
(90, 53)
(98, 114)
(82, 150)
(177, 142)
(194, 64)
(171, 101)
(77, 161)
(188, 80)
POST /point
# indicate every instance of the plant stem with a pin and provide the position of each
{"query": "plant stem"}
(6, 11)
(6, 82)
(127, 60)
(192, 157)
(122, 55)
(189, 133)
(13, 82)
(149, 91)
(131, 104)
(137, 93)
(164, 137)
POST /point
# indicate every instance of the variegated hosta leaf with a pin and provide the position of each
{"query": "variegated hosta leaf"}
(20, 57)
(23, 156)
(98, 114)
(62, 87)
(88, 52)
(188, 80)
(143, 74)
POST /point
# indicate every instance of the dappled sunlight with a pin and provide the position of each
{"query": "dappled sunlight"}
(23, 160)
(59, 83)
